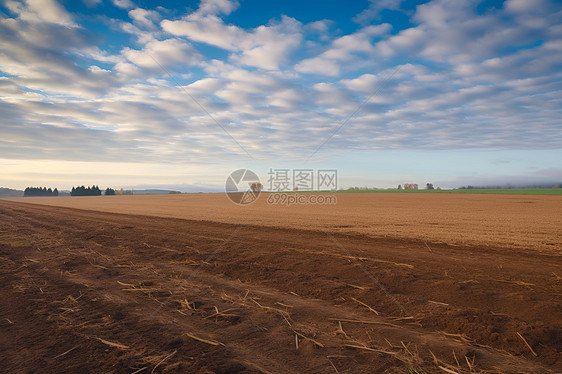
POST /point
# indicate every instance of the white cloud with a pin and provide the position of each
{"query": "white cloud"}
(266, 47)
(144, 35)
(344, 49)
(37, 11)
(157, 54)
(144, 18)
(217, 7)
(479, 80)
(374, 9)
(453, 31)
(321, 26)
(288, 98)
(319, 65)
(269, 46)
(528, 6)
(209, 29)
(124, 4)
(41, 57)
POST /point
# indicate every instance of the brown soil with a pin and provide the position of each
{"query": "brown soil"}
(521, 221)
(87, 291)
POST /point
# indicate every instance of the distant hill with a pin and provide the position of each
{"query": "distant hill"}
(8, 192)
(513, 186)
(153, 192)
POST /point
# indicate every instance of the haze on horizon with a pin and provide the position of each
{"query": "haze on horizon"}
(127, 93)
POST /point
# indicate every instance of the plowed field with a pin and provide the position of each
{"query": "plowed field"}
(195, 284)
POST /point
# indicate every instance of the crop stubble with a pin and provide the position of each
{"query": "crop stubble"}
(478, 277)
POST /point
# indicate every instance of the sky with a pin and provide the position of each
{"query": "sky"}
(178, 94)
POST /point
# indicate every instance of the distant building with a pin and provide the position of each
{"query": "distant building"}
(410, 186)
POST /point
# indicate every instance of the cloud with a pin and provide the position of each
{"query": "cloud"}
(163, 54)
(353, 47)
(270, 46)
(38, 11)
(319, 65)
(124, 4)
(458, 78)
(209, 30)
(42, 57)
(320, 27)
(454, 32)
(374, 9)
(217, 7)
(528, 7)
(266, 47)
(144, 18)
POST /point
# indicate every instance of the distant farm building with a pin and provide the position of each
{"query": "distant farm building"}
(410, 186)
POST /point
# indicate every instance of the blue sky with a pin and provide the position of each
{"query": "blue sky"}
(136, 93)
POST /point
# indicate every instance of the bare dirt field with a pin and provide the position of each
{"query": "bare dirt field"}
(521, 221)
(194, 284)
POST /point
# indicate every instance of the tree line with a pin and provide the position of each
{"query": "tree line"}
(85, 191)
(40, 191)
(90, 191)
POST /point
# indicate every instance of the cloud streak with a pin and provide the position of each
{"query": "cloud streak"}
(469, 78)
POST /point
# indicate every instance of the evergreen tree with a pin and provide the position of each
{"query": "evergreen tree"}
(86, 191)
(40, 191)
